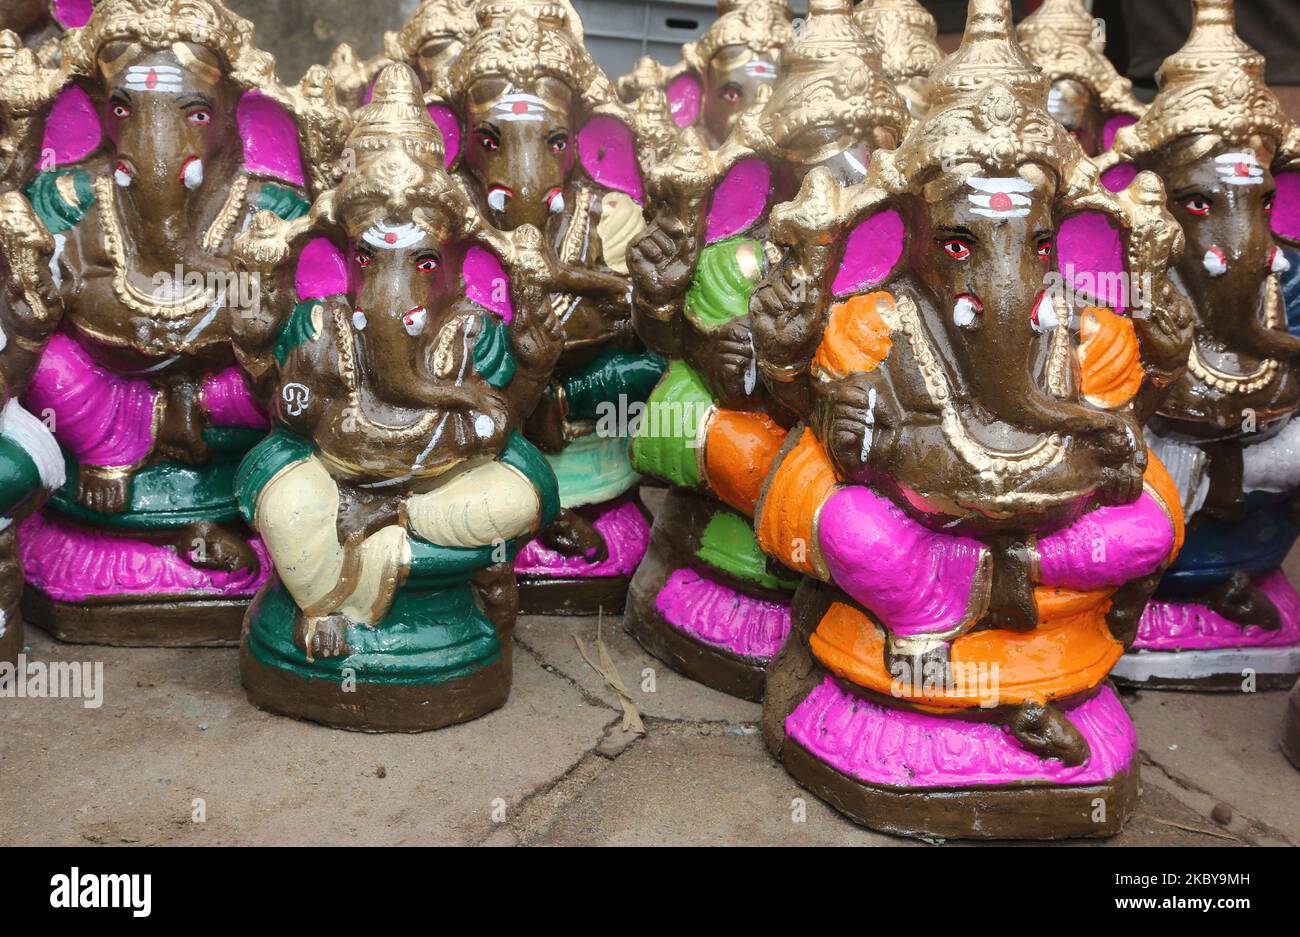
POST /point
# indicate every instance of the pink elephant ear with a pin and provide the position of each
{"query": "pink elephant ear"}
(449, 126)
(739, 199)
(270, 138)
(486, 282)
(72, 129)
(871, 252)
(685, 98)
(1114, 124)
(70, 14)
(321, 270)
(1118, 177)
(1286, 207)
(607, 152)
(1090, 255)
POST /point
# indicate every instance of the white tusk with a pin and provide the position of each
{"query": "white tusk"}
(123, 179)
(1045, 318)
(1278, 262)
(963, 312)
(359, 321)
(1215, 263)
(557, 203)
(414, 320)
(193, 175)
(497, 199)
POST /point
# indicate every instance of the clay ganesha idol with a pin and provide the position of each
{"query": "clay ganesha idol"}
(724, 72)
(395, 484)
(31, 467)
(704, 599)
(547, 143)
(970, 500)
(1230, 160)
(166, 145)
(1088, 97)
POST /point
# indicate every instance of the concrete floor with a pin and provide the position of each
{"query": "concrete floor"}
(551, 767)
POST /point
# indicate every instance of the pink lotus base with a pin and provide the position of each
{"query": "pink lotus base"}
(1186, 626)
(70, 564)
(716, 614)
(626, 533)
(900, 748)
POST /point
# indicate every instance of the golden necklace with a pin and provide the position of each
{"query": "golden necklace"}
(128, 293)
(1258, 379)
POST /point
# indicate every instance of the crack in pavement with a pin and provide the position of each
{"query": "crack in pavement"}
(1256, 826)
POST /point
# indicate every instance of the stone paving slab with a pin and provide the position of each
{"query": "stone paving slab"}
(656, 689)
(175, 726)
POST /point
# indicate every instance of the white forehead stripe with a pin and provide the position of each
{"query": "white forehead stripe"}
(999, 198)
(1239, 168)
(162, 78)
(519, 106)
(760, 68)
(393, 237)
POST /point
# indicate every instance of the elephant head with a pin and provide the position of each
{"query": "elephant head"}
(977, 343)
(1230, 161)
(906, 34)
(535, 108)
(403, 291)
(1087, 95)
(831, 108)
(726, 70)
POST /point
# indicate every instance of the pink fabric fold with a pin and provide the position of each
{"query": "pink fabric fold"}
(227, 399)
(100, 417)
(914, 580)
(1108, 547)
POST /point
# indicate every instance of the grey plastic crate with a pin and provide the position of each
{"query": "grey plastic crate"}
(621, 31)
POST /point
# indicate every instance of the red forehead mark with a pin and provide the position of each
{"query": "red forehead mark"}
(1243, 169)
(152, 81)
(390, 238)
(519, 107)
(1000, 201)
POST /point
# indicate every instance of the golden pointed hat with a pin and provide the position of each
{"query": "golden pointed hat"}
(160, 24)
(1213, 85)
(831, 76)
(988, 106)
(763, 26)
(398, 151)
(432, 19)
(526, 40)
(1061, 39)
(904, 32)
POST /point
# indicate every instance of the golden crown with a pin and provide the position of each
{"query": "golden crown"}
(432, 19)
(988, 106)
(1213, 85)
(831, 76)
(904, 32)
(1060, 38)
(763, 26)
(526, 40)
(159, 24)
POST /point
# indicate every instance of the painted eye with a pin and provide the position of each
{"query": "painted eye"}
(559, 143)
(121, 111)
(1045, 249)
(730, 94)
(1268, 203)
(201, 117)
(488, 141)
(427, 264)
(956, 248)
(363, 259)
(1197, 204)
